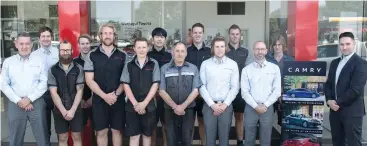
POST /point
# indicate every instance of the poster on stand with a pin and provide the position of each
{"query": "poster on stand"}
(303, 103)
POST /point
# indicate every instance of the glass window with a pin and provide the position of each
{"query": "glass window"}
(137, 19)
(18, 16)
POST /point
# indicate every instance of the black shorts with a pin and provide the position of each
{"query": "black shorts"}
(199, 106)
(140, 124)
(160, 110)
(239, 104)
(62, 125)
(106, 116)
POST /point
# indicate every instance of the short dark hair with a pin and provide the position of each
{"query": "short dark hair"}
(178, 43)
(66, 42)
(234, 26)
(141, 39)
(197, 25)
(23, 34)
(85, 36)
(44, 29)
(346, 34)
(159, 32)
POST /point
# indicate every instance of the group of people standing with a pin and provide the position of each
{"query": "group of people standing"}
(173, 88)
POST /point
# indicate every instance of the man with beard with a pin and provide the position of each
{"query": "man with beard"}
(84, 43)
(50, 55)
(196, 54)
(103, 67)
(160, 54)
(261, 87)
(23, 81)
(66, 83)
(238, 54)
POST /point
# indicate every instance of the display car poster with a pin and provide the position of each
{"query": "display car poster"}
(303, 103)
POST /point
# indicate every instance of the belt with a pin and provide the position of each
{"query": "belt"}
(218, 101)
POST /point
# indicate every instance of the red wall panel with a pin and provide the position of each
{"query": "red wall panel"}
(303, 29)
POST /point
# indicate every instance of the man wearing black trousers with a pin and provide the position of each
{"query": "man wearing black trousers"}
(344, 91)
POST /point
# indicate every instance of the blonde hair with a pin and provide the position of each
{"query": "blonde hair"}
(218, 39)
(110, 25)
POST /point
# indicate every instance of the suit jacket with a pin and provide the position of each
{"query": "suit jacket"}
(349, 87)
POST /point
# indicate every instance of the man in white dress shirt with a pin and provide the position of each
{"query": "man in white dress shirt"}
(220, 77)
(50, 55)
(24, 80)
(261, 87)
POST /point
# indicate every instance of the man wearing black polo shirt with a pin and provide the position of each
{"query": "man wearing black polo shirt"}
(196, 54)
(140, 78)
(84, 42)
(103, 67)
(160, 54)
(66, 83)
(238, 54)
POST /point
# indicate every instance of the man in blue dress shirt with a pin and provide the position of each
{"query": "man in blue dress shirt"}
(24, 80)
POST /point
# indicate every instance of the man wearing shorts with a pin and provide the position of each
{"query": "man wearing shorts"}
(66, 83)
(141, 77)
(103, 67)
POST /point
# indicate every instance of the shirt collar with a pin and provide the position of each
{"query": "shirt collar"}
(195, 48)
(346, 58)
(174, 65)
(137, 62)
(20, 58)
(219, 61)
(232, 48)
(160, 51)
(70, 66)
(46, 50)
(102, 50)
(262, 65)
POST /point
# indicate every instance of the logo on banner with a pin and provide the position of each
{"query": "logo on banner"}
(303, 102)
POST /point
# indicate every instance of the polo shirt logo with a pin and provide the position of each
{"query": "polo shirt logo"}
(148, 68)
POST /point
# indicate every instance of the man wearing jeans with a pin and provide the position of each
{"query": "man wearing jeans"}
(261, 87)
(179, 88)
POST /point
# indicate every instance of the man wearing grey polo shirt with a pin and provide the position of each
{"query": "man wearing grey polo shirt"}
(24, 80)
(179, 88)
(261, 87)
(220, 77)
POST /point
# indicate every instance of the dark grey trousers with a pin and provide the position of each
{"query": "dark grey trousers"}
(217, 125)
(251, 118)
(18, 118)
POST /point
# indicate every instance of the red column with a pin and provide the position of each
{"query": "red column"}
(303, 29)
(73, 21)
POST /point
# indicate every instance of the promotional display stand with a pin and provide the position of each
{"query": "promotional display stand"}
(303, 103)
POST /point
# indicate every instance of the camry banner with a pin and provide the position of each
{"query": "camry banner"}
(303, 102)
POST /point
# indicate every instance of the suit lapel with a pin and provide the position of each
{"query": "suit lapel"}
(346, 66)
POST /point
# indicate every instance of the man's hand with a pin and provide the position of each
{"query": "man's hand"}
(89, 102)
(29, 107)
(142, 112)
(110, 98)
(332, 104)
(69, 115)
(140, 107)
(82, 104)
(180, 110)
(216, 109)
(260, 109)
(24, 102)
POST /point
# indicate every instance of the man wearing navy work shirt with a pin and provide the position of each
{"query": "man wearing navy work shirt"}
(196, 54)
(140, 77)
(160, 54)
(103, 67)
(238, 54)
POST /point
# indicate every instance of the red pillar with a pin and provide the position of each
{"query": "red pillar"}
(303, 29)
(73, 21)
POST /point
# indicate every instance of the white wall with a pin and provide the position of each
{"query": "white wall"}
(205, 12)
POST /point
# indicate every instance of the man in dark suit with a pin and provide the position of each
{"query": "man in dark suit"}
(344, 91)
